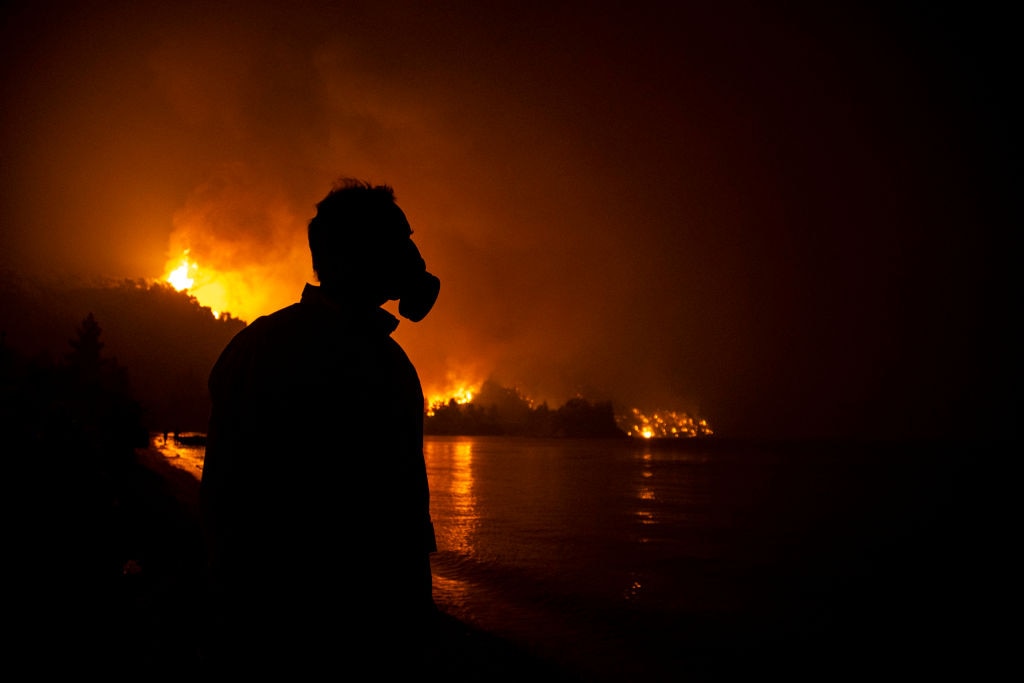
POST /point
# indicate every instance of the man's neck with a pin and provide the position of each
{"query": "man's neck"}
(345, 298)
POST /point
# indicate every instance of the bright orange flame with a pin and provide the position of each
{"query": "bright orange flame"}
(179, 277)
(185, 275)
(663, 424)
(460, 392)
(214, 279)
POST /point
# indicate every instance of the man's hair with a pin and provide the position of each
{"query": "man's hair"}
(355, 223)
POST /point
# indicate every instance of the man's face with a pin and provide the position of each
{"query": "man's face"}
(401, 274)
(389, 267)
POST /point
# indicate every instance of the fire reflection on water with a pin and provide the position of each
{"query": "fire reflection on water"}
(450, 471)
(185, 456)
(450, 466)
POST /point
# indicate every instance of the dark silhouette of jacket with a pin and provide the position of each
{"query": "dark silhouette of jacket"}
(314, 490)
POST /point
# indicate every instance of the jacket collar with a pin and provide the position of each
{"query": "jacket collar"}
(374, 318)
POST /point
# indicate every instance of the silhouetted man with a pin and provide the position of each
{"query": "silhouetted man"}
(314, 491)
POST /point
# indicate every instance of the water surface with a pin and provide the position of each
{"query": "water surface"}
(626, 559)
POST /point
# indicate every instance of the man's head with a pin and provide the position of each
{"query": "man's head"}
(362, 248)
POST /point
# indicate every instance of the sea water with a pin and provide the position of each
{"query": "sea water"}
(633, 560)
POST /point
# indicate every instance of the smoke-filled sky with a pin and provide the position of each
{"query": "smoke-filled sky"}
(786, 220)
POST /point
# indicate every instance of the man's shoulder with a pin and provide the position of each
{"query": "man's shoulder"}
(270, 321)
(278, 317)
(253, 344)
(262, 328)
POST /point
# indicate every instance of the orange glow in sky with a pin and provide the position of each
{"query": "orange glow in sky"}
(213, 289)
(240, 292)
(658, 252)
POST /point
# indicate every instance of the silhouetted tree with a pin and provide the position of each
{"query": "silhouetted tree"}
(467, 419)
(165, 337)
(86, 346)
(88, 509)
(499, 410)
(506, 406)
(541, 421)
(579, 417)
(103, 419)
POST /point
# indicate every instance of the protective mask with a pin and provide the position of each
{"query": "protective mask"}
(419, 289)
(419, 296)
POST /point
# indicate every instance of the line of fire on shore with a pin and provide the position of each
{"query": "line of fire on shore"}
(494, 409)
(487, 408)
(663, 424)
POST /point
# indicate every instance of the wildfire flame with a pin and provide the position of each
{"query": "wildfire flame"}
(183, 273)
(657, 424)
(663, 424)
(179, 277)
(460, 392)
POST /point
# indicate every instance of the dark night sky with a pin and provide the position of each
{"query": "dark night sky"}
(788, 219)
